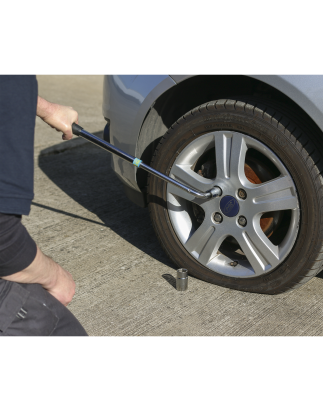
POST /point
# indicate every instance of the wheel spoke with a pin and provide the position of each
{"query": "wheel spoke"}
(259, 250)
(211, 248)
(230, 152)
(205, 242)
(184, 194)
(275, 195)
(186, 175)
(223, 154)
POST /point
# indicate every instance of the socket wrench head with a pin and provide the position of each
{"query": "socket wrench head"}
(182, 279)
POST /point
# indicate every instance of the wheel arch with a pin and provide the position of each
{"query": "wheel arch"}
(296, 92)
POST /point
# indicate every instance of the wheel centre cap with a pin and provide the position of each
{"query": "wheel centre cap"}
(229, 206)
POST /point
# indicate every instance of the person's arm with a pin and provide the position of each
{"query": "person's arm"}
(57, 116)
(44, 271)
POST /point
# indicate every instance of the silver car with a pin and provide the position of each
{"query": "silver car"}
(258, 138)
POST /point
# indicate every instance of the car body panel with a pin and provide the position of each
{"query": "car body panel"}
(128, 99)
(178, 78)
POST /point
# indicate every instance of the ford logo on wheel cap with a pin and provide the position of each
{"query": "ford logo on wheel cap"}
(229, 206)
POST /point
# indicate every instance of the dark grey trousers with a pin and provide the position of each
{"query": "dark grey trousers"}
(29, 310)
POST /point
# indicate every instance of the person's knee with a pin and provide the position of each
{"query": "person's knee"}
(29, 310)
(67, 324)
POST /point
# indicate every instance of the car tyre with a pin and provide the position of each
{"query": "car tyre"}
(294, 145)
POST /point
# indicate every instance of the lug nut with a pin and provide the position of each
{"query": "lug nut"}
(242, 194)
(234, 263)
(242, 221)
(217, 218)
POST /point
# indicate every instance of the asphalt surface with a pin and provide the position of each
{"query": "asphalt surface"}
(125, 283)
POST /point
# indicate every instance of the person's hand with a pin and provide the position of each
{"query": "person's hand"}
(62, 119)
(57, 116)
(53, 278)
(63, 289)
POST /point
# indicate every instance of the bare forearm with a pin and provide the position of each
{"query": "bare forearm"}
(45, 108)
(42, 271)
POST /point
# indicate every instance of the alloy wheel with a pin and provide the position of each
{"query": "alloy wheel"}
(252, 227)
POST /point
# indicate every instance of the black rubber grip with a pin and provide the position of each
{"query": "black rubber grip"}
(76, 129)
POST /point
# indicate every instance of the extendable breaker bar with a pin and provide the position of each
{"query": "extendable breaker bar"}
(79, 131)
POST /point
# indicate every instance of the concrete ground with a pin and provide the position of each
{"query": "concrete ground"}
(125, 283)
